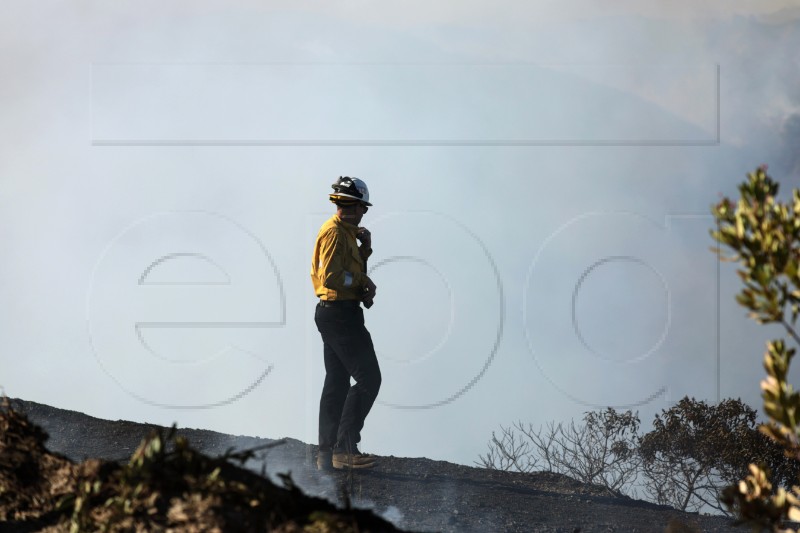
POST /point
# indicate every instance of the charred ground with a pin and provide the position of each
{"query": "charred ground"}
(413, 493)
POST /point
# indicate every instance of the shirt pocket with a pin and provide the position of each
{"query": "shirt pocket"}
(357, 258)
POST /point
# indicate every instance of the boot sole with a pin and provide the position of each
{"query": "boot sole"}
(340, 465)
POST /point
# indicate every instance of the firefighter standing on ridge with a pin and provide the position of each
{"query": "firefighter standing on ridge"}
(338, 271)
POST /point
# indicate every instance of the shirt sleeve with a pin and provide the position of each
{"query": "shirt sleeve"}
(333, 264)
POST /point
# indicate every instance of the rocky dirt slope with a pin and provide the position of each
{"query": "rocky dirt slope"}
(165, 486)
(412, 493)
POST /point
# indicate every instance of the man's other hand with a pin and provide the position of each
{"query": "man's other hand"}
(369, 291)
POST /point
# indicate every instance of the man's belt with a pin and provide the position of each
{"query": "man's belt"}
(339, 303)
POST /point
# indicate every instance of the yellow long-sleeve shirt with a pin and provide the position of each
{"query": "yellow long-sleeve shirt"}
(337, 266)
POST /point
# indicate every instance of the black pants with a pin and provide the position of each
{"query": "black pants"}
(348, 352)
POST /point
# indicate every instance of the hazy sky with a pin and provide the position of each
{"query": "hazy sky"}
(541, 174)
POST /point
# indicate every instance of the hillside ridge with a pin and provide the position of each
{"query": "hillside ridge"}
(413, 493)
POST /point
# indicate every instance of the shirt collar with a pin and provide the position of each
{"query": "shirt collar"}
(352, 228)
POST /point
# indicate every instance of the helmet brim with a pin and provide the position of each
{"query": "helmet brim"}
(337, 196)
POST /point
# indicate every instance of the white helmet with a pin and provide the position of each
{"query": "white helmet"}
(350, 190)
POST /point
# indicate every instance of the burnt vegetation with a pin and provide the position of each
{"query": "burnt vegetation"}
(694, 451)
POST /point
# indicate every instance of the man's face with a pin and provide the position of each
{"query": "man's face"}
(353, 214)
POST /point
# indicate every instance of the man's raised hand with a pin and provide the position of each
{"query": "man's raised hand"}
(364, 236)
